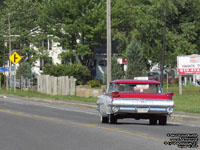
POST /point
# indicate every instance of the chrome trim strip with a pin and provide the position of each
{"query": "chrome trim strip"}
(158, 109)
(127, 108)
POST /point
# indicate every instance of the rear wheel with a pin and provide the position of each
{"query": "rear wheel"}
(112, 119)
(163, 120)
(104, 119)
(153, 121)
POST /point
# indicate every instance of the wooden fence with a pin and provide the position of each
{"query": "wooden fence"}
(56, 85)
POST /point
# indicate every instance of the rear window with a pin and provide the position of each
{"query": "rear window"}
(143, 88)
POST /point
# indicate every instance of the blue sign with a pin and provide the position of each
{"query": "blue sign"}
(2, 69)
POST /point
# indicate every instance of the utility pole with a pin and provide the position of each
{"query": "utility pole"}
(9, 47)
(4, 59)
(163, 47)
(108, 42)
(20, 74)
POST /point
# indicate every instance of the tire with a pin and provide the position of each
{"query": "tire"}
(153, 121)
(163, 120)
(104, 119)
(112, 119)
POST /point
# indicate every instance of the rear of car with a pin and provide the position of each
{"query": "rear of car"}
(139, 99)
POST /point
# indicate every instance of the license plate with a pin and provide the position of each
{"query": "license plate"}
(142, 110)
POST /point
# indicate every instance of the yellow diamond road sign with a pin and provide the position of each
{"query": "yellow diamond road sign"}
(15, 58)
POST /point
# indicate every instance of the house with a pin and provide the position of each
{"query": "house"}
(100, 54)
(53, 50)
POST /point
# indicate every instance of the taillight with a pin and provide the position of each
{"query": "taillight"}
(170, 95)
(115, 94)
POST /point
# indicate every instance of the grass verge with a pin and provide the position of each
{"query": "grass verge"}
(189, 101)
(36, 94)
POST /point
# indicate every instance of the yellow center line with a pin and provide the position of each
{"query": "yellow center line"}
(120, 131)
(142, 135)
(27, 115)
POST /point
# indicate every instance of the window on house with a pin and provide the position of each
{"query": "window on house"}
(102, 63)
(45, 61)
(50, 44)
(44, 44)
(41, 63)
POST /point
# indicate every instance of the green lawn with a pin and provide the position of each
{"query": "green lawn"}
(189, 101)
(40, 95)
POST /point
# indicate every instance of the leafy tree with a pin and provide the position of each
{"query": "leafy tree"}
(117, 69)
(68, 57)
(135, 60)
(24, 26)
(147, 26)
(121, 24)
(79, 28)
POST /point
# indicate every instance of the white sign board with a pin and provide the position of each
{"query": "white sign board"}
(141, 86)
(189, 64)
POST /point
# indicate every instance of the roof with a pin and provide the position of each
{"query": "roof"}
(131, 81)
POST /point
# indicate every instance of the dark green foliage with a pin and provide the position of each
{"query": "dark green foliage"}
(94, 83)
(67, 57)
(80, 26)
(117, 71)
(135, 60)
(78, 71)
(23, 24)
(2, 79)
(25, 70)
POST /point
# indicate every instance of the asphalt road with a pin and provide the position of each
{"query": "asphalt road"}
(27, 125)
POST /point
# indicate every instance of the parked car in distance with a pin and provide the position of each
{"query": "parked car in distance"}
(153, 76)
(138, 99)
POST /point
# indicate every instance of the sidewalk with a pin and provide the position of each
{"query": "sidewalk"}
(181, 117)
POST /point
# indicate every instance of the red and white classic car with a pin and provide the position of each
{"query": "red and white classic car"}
(139, 99)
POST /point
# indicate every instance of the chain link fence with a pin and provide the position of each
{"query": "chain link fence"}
(23, 83)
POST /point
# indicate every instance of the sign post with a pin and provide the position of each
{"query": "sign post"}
(15, 58)
(188, 65)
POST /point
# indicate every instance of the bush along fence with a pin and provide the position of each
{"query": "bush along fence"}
(56, 85)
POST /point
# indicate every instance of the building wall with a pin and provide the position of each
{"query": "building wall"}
(53, 52)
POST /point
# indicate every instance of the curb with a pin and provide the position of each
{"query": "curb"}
(2, 96)
(175, 117)
(61, 102)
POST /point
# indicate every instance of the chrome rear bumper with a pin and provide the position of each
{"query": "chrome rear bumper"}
(150, 110)
(150, 106)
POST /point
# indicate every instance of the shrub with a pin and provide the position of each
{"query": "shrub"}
(94, 83)
(78, 71)
(2, 79)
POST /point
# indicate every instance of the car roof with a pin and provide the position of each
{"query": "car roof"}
(131, 81)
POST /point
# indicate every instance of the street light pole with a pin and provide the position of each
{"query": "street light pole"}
(108, 42)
